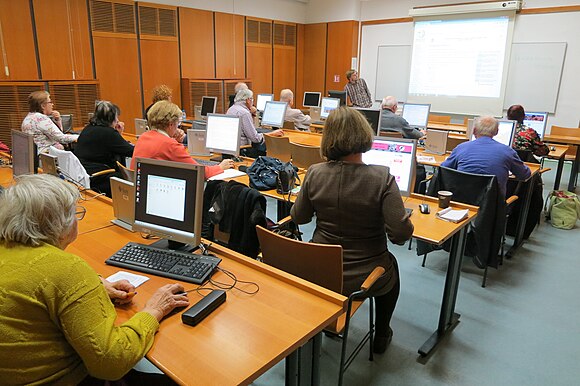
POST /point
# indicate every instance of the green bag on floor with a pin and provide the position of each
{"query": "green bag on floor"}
(563, 209)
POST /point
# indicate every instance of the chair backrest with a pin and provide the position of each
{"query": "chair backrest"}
(278, 147)
(71, 167)
(289, 125)
(567, 131)
(303, 156)
(439, 118)
(318, 263)
(67, 122)
(526, 155)
(128, 174)
(391, 134)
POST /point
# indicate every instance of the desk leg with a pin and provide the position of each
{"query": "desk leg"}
(292, 375)
(448, 318)
(525, 208)
(559, 172)
(303, 365)
(574, 171)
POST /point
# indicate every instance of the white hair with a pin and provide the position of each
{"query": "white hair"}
(485, 126)
(388, 102)
(240, 86)
(243, 95)
(39, 208)
(286, 95)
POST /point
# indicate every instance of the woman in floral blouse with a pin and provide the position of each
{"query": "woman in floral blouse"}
(38, 122)
(525, 137)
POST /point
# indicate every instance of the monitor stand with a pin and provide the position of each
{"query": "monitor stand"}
(174, 245)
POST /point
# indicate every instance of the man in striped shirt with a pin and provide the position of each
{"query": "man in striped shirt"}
(357, 90)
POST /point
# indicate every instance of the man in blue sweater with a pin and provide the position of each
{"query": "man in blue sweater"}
(487, 156)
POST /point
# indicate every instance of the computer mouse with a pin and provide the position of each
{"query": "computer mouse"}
(243, 168)
(552, 148)
(424, 208)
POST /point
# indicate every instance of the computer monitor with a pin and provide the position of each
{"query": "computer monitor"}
(398, 154)
(416, 114)
(208, 105)
(311, 99)
(469, 130)
(274, 113)
(169, 202)
(341, 95)
(537, 121)
(505, 132)
(373, 116)
(327, 105)
(140, 126)
(262, 99)
(223, 134)
(24, 157)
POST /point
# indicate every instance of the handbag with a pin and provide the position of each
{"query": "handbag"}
(563, 209)
(268, 173)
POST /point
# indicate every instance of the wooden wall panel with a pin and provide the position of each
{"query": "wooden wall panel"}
(17, 52)
(299, 91)
(284, 70)
(315, 57)
(196, 31)
(65, 52)
(160, 65)
(116, 62)
(259, 63)
(230, 50)
(341, 48)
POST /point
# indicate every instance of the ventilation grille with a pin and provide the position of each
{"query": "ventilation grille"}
(75, 98)
(14, 107)
(112, 17)
(258, 31)
(200, 88)
(285, 35)
(230, 85)
(157, 21)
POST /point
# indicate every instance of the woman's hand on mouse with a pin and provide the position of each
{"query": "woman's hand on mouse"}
(227, 164)
(165, 299)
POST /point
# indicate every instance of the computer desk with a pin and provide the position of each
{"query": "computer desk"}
(241, 339)
(566, 140)
(460, 128)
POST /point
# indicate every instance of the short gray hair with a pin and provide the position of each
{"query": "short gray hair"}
(39, 208)
(240, 86)
(388, 102)
(286, 95)
(485, 127)
(244, 94)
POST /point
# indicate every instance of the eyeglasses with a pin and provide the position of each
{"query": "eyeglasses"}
(80, 212)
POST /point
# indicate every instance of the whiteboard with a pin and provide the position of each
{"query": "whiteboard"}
(393, 64)
(534, 75)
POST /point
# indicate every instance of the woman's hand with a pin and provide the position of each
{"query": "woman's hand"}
(56, 115)
(120, 127)
(165, 299)
(227, 164)
(179, 135)
(120, 292)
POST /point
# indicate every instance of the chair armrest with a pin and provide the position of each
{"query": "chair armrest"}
(511, 200)
(283, 221)
(103, 172)
(372, 278)
(245, 146)
(544, 170)
(4, 154)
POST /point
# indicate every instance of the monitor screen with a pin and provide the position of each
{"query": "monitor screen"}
(208, 105)
(338, 94)
(398, 154)
(262, 99)
(505, 132)
(274, 114)
(140, 126)
(311, 99)
(537, 121)
(223, 134)
(373, 116)
(169, 200)
(24, 155)
(416, 114)
(327, 105)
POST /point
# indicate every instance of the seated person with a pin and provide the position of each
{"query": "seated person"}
(301, 121)
(525, 138)
(484, 155)
(164, 93)
(250, 136)
(359, 215)
(393, 122)
(158, 143)
(241, 86)
(57, 317)
(44, 123)
(101, 145)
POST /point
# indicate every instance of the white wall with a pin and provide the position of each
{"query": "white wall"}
(283, 10)
(321, 11)
(552, 27)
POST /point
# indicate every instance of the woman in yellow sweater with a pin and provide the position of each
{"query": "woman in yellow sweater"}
(56, 314)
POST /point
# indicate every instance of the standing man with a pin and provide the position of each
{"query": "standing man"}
(301, 121)
(393, 122)
(357, 90)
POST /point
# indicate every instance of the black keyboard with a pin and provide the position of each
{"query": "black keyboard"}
(205, 162)
(188, 267)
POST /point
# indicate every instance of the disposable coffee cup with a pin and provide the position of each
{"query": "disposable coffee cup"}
(444, 198)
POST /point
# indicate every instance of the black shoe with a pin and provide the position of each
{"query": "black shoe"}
(380, 343)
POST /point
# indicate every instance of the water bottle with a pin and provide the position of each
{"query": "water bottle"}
(183, 115)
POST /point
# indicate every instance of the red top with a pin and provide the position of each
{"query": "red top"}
(155, 145)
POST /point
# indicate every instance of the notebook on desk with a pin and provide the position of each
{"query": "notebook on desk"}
(123, 195)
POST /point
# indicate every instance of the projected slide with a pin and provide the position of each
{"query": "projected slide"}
(459, 57)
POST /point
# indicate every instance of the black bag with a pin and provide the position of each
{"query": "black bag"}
(268, 173)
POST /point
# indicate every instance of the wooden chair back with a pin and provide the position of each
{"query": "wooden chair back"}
(303, 156)
(569, 132)
(439, 118)
(128, 174)
(278, 147)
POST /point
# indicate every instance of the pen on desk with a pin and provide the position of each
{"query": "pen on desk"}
(130, 294)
